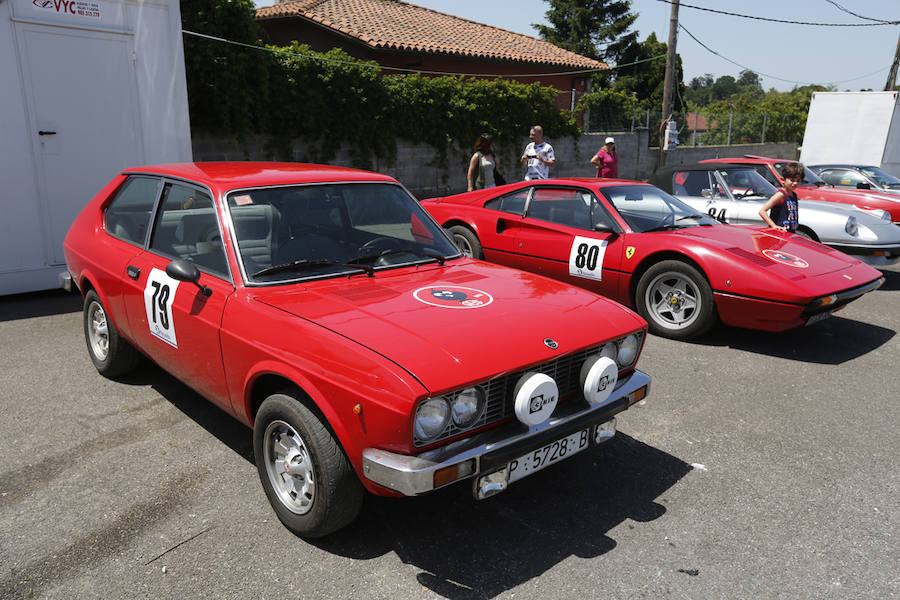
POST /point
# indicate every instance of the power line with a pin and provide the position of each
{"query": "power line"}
(850, 12)
(731, 14)
(708, 49)
(324, 59)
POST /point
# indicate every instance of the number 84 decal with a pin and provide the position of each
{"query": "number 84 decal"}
(718, 214)
(159, 294)
(586, 258)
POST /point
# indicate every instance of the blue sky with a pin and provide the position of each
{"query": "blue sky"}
(848, 57)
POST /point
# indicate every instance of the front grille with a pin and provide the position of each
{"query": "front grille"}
(499, 392)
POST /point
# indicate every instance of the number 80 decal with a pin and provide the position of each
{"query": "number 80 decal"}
(586, 257)
(159, 294)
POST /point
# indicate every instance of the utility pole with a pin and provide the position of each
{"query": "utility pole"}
(669, 81)
(892, 76)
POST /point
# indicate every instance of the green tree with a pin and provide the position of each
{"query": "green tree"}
(227, 84)
(646, 79)
(598, 29)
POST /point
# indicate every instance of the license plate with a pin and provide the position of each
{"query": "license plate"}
(551, 453)
(819, 317)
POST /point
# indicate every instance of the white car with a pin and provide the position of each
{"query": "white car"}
(735, 194)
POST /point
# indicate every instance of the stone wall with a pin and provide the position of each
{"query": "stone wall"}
(415, 164)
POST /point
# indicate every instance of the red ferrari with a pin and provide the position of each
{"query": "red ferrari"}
(682, 270)
(325, 309)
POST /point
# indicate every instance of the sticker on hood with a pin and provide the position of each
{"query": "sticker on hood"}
(786, 258)
(453, 296)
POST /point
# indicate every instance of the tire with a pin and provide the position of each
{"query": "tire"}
(808, 234)
(676, 300)
(307, 478)
(111, 355)
(467, 241)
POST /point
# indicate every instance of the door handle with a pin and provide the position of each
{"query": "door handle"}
(42, 132)
(133, 272)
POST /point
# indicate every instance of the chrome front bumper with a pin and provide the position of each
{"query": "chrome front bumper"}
(492, 450)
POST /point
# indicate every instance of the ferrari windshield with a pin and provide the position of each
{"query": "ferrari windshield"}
(323, 230)
(881, 177)
(647, 208)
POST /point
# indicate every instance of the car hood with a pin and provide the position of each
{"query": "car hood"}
(774, 265)
(458, 323)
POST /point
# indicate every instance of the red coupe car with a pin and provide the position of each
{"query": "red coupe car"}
(324, 308)
(634, 243)
(815, 188)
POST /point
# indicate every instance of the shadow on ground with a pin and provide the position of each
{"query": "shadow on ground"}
(39, 304)
(830, 342)
(464, 548)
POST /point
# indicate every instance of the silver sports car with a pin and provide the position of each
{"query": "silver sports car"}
(735, 193)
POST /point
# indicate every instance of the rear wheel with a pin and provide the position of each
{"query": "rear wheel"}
(467, 241)
(306, 476)
(676, 300)
(111, 355)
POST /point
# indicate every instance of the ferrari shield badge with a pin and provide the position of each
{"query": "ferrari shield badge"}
(629, 251)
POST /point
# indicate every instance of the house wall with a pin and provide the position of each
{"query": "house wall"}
(413, 167)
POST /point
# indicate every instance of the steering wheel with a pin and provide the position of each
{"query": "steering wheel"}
(379, 244)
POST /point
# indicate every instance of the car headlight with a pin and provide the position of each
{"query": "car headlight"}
(610, 351)
(850, 227)
(628, 350)
(466, 407)
(431, 418)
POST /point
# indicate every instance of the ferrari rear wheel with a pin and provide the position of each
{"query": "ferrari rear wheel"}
(467, 241)
(111, 355)
(306, 476)
(676, 300)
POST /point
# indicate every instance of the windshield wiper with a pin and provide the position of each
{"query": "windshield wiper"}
(694, 216)
(300, 265)
(424, 254)
(668, 227)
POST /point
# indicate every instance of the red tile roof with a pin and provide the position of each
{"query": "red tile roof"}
(395, 25)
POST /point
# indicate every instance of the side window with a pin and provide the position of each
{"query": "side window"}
(512, 203)
(128, 215)
(695, 184)
(563, 207)
(187, 228)
(842, 177)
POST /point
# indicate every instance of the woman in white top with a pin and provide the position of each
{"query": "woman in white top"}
(482, 163)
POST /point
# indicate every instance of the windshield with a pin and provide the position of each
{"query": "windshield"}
(322, 230)
(747, 183)
(884, 179)
(647, 208)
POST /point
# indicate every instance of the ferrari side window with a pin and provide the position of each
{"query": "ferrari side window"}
(563, 207)
(512, 203)
(128, 215)
(768, 175)
(187, 228)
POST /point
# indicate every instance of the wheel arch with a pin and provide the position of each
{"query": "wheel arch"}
(655, 258)
(455, 221)
(809, 231)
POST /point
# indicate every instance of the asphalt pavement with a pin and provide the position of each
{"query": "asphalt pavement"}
(760, 466)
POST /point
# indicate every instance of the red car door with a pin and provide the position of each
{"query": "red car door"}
(174, 322)
(559, 239)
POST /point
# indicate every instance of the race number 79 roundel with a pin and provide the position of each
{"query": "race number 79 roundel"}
(586, 257)
(158, 298)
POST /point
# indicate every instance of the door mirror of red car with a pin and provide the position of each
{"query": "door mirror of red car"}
(604, 228)
(862, 185)
(183, 270)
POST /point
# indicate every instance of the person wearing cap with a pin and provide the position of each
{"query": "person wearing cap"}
(607, 159)
(538, 155)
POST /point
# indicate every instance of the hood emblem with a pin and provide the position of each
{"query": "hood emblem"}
(551, 343)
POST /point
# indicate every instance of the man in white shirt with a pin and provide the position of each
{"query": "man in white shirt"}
(538, 155)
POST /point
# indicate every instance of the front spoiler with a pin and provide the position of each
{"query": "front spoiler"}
(492, 449)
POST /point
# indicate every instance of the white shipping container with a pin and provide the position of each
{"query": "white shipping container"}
(89, 87)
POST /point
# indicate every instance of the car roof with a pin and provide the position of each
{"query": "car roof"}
(843, 166)
(234, 175)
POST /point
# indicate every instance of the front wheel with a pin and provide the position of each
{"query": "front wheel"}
(306, 476)
(676, 300)
(111, 355)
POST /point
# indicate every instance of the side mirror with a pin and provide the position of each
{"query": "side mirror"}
(706, 194)
(862, 185)
(604, 228)
(183, 270)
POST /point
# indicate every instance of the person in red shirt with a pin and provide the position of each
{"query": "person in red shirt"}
(607, 159)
